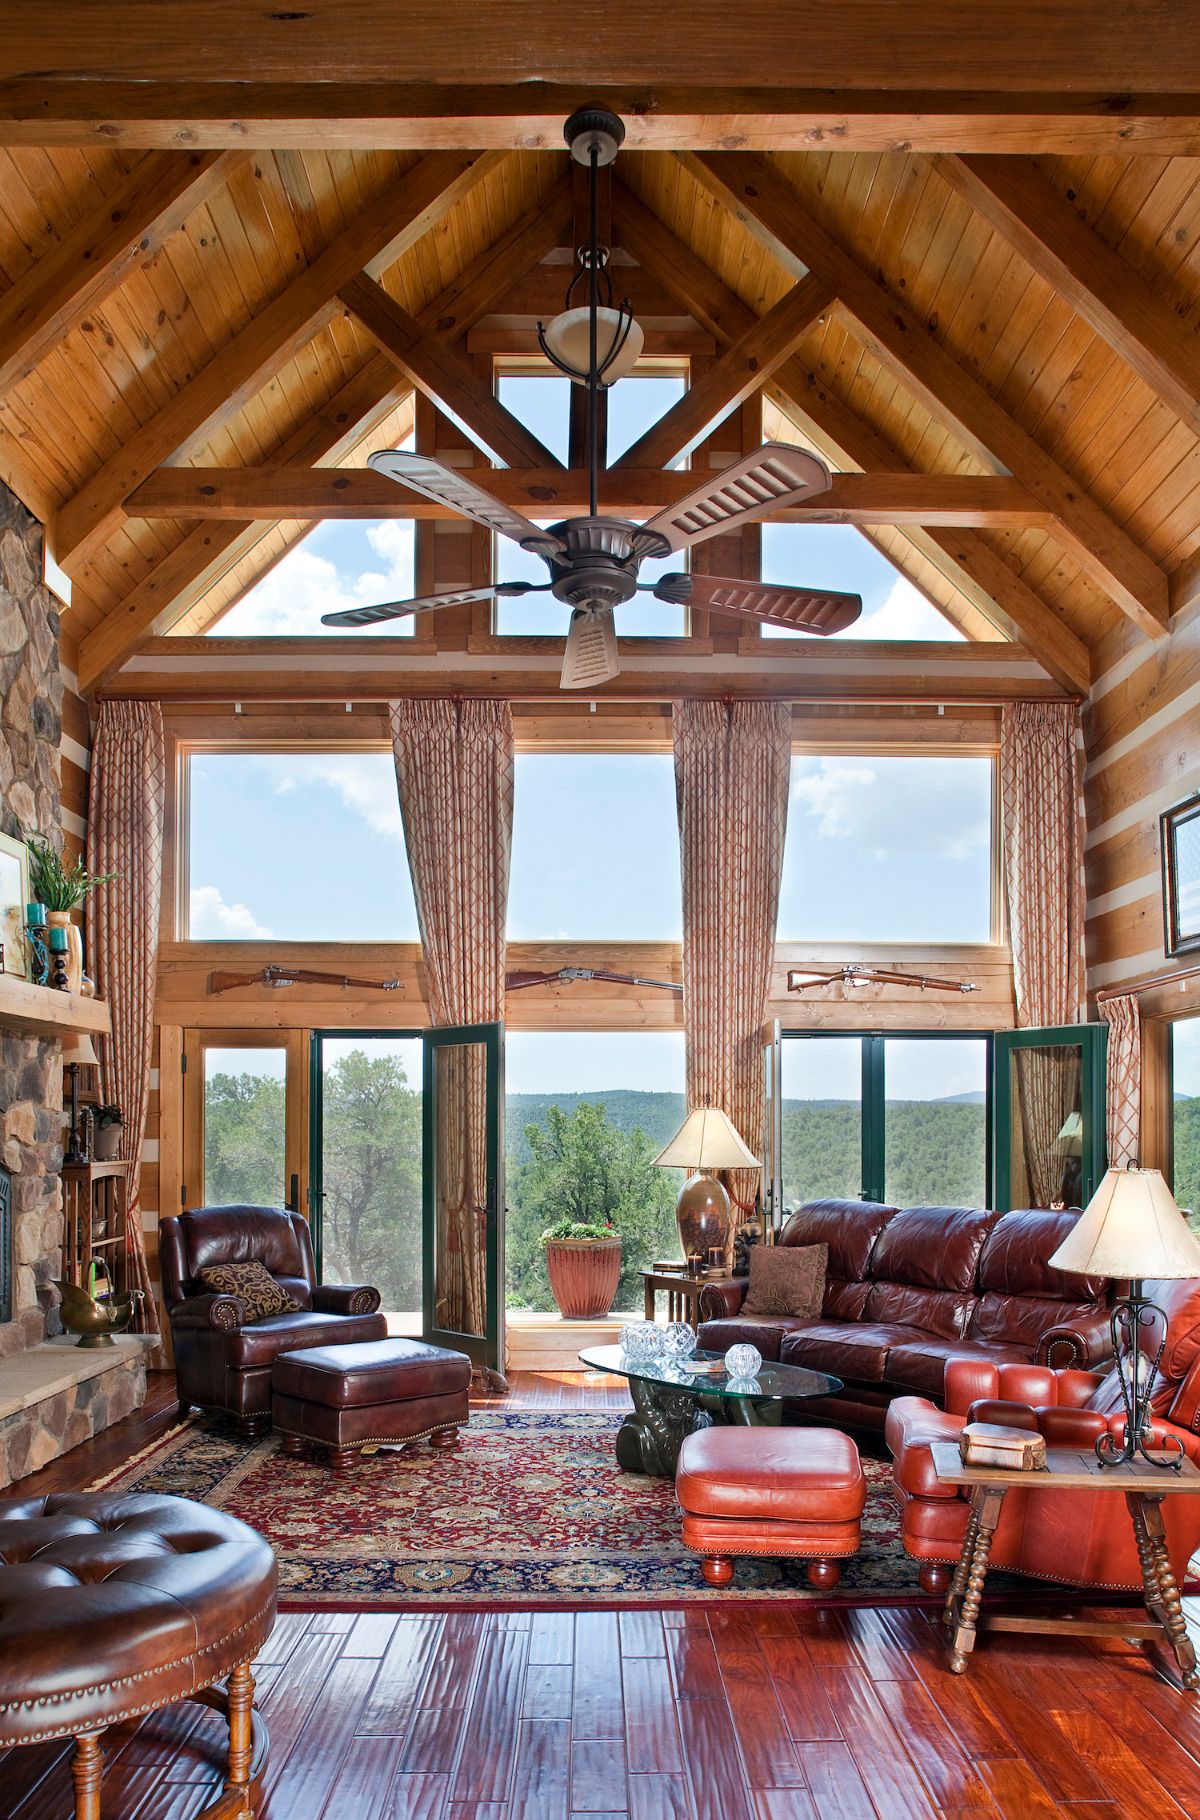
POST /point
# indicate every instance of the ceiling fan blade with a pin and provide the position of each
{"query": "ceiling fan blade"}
(420, 603)
(797, 609)
(591, 654)
(452, 487)
(762, 481)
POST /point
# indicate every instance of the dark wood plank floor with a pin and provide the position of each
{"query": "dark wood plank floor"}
(715, 1713)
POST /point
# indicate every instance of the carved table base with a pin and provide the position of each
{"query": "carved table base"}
(663, 1416)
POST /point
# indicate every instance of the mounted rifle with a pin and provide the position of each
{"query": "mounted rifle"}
(803, 979)
(277, 976)
(515, 982)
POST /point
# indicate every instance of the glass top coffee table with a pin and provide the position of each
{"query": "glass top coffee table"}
(670, 1402)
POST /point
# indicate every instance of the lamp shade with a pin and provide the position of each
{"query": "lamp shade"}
(77, 1047)
(568, 337)
(707, 1140)
(1070, 1138)
(1131, 1227)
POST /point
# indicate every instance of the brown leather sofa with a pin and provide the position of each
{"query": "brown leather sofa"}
(908, 1288)
(1084, 1539)
(223, 1362)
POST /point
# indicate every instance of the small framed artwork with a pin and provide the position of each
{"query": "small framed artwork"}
(14, 895)
(1180, 830)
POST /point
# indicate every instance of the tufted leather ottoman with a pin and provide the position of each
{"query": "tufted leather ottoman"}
(771, 1491)
(113, 1605)
(382, 1391)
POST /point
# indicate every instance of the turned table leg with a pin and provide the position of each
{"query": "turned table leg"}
(240, 1696)
(988, 1503)
(1168, 1608)
(87, 1767)
(962, 1567)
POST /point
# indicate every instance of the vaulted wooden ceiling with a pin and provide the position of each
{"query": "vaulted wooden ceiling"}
(999, 354)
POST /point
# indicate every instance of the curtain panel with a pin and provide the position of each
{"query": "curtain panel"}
(732, 773)
(1041, 802)
(454, 775)
(1124, 1084)
(126, 795)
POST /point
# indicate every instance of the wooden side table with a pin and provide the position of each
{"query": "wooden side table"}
(683, 1293)
(1068, 1469)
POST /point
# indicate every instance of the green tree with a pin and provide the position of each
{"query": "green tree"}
(243, 1140)
(582, 1167)
(371, 1178)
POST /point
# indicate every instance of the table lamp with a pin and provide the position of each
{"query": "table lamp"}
(705, 1141)
(77, 1052)
(1132, 1228)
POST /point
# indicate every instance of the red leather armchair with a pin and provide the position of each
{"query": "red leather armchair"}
(223, 1362)
(1078, 1538)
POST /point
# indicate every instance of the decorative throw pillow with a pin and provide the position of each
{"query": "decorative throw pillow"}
(786, 1279)
(254, 1286)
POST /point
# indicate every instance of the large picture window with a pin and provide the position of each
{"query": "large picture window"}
(295, 846)
(888, 849)
(839, 556)
(1185, 1112)
(595, 849)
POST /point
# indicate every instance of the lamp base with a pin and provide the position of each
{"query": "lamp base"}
(702, 1214)
(1134, 1319)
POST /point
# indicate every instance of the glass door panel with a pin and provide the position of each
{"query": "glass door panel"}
(1049, 1116)
(772, 1152)
(822, 1094)
(935, 1121)
(243, 1119)
(463, 1192)
(365, 1173)
(1185, 1116)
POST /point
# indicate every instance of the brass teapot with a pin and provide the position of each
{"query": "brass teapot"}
(97, 1312)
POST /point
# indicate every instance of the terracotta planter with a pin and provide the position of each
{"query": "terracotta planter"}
(584, 1274)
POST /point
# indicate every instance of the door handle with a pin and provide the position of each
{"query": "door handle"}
(292, 1204)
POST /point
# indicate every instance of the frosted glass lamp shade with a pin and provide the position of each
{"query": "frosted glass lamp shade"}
(568, 339)
(1131, 1227)
(707, 1140)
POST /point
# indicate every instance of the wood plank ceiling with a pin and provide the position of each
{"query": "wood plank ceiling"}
(1022, 333)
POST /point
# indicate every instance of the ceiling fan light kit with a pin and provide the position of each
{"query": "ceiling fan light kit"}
(594, 560)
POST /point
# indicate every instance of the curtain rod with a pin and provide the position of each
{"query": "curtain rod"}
(1156, 979)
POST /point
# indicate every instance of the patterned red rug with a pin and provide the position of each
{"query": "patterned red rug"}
(532, 1509)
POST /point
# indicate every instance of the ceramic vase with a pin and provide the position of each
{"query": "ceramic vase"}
(61, 919)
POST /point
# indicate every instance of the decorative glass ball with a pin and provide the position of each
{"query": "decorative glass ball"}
(678, 1340)
(743, 1361)
(641, 1340)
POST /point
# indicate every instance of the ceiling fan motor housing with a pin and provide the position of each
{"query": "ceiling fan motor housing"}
(596, 561)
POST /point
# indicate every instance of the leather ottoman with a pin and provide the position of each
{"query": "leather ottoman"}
(112, 1605)
(771, 1491)
(379, 1391)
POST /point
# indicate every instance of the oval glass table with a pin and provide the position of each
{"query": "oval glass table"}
(670, 1402)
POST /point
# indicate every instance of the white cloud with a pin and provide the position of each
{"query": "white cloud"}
(366, 784)
(905, 614)
(210, 918)
(291, 597)
(894, 806)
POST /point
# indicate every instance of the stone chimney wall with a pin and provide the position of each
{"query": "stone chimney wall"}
(30, 1070)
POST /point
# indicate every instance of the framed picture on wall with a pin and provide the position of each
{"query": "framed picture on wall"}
(14, 895)
(1180, 832)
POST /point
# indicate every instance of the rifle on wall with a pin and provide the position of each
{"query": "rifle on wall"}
(277, 976)
(563, 976)
(804, 979)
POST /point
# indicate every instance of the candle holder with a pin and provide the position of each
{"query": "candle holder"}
(35, 936)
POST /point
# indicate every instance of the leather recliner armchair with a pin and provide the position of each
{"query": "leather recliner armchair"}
(1078, 1538)
(223, 1362)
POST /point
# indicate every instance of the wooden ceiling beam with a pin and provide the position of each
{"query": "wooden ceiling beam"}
(394, 221)
(769, 207)
(444, 376)
(979, 573)
(293, 492)
(124, 230)
(1111, 295)
(745, 365)
(161, 597)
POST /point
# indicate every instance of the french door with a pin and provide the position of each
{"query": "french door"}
(244, 1118)
(1048, 1104)
(463, 1191)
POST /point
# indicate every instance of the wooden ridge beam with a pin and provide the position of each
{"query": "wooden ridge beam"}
(1111, 295)
(328, 435)
(444, 376)
(290, 492)
(390, 224)
(843, 438)
(125, 229)
(745, 365)
(767, 205)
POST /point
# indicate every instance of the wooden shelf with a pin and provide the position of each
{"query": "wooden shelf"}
(41, 1011)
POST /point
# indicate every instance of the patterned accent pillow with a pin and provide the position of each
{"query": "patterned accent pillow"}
(786, 1279)
(254, 1286)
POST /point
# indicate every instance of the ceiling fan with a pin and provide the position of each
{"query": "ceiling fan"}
(593, 561)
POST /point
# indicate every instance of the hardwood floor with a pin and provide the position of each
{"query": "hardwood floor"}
(714, 1713)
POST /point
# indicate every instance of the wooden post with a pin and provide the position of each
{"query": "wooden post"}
(87, 1767)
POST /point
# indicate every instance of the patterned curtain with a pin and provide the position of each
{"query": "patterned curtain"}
(125, 835)
(1041, 799)
(1124, 1079)
(732, 767)
(454, 773)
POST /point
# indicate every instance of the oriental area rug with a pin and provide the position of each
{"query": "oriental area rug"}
(532, 1509)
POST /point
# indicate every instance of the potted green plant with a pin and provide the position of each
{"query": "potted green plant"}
(109, 1126)
(583, 1262)
(62, 887)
